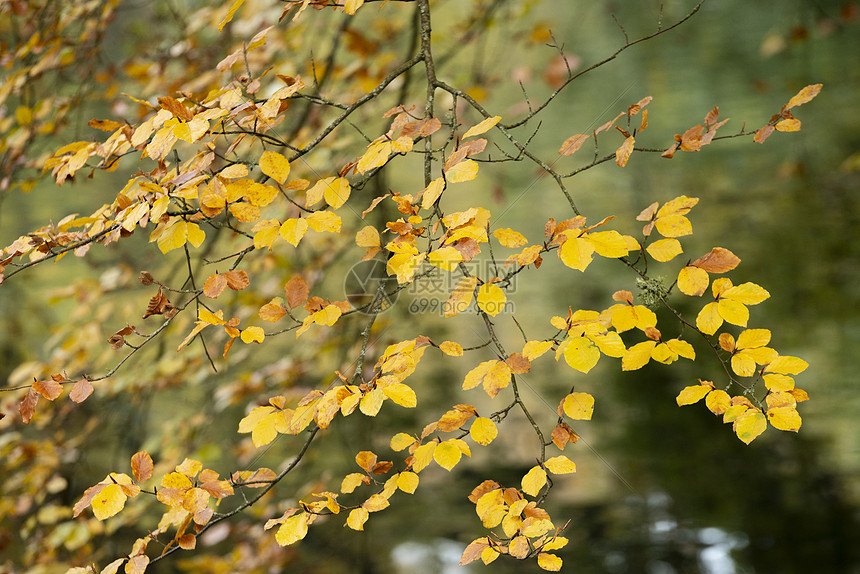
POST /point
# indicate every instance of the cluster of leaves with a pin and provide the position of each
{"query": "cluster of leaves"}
(245, 185)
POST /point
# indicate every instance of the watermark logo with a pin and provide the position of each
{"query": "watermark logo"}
(369, 288)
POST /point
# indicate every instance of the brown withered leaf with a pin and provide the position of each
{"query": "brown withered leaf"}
(296, 291)
(762, 134)
(691, 140)
(176, 108)
(214, 285)
(141, 466)
(719, 260)
(27, 407)
(117, 342)
(146, 278)
(518, 363)
(237, 280)
(49, 389)
(156, 304)
(81, 390)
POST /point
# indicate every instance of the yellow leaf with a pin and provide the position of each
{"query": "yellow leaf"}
(483, 431)
(488, 555)
(423, 455)
(367, 237)
(788, 125)
(376, 502)
(230, 13)
(784, 418)
(576, 253)
(324, 221)
(337, 192)
(681, 348)
(751, 338)
(708, 319)
(580, 353)
(665, 249)
(109, 501)
(275, 166)
(733, 312)
(746, 293)
(534, 480)
(253, 335)
(693, 281)
(259, 194)
(549, 562)
(510, 238)
(692, 394)
(407, 481)
(749, 425)
(265, 233)
(432, 192)
(401, 441)
(376, 155)
(350, 6)
(451, 348)
(560, 465)
(245, 212)
(445, 258)
(357, 518)
(534, 349)
(786, 365)
(578, 406)
(776, 382)
(461, 296)
(673, 226)
(293, 529)
(466, 170)
(608, 243)
(637, 356)
(173, 235)
(718, 401)
(293, 230)
(491, 299)
(401, 394)
(482, 127)
(351, 481)
(447, 455)
(610, 344)
(317, 191)
(804, 96)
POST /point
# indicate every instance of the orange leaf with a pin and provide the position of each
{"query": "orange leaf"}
(237, 280)
(719, 260)
(572, 144)
(296, 291)
(49, 389)
(622, 154)
(81, 391)
(803, 96)
(214, 285)
(141, 466)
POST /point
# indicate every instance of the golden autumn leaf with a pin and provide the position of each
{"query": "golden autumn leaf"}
(482, 127)
(376, 155)
(580, 353)
(576, 253)
(407, 481)
(293, 529)
(275, 166)
(293, 230)
(622, 154)
(693, 281)
(749, 425)
(466, 170)
(491, 299)
(451, 348)
(401, 394)
(692, 394)
(578, 406)
(350, 6)
(108, 502)
(141, 466)
(534, 481)
(230, 13)
(510, 238)
(324, 221)
(560, 465)
(432, 192)
(665, 250)
(337, 192)
(572, 144)
(447, 454)
(549, 562)
(803, 96)
(483, 431)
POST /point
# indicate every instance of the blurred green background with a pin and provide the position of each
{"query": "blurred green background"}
(659, 489)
